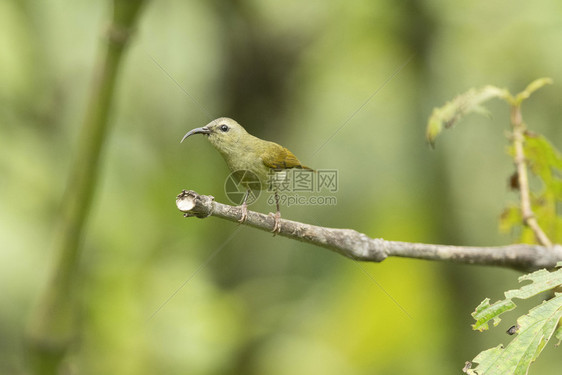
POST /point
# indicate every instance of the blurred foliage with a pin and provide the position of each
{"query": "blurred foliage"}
(542, 158)
(53, 329)
(266, 305)
(533, 330)
(545, 162)
(448, 115)
(471, 101)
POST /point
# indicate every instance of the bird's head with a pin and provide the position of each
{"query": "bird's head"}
(224, 133)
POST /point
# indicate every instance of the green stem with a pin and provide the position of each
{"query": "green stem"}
(52, 329)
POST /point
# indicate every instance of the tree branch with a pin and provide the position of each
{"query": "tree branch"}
(359, 246)
(527, 214)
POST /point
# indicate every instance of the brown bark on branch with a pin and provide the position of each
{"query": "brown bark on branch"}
(359, 246)
(529, 218)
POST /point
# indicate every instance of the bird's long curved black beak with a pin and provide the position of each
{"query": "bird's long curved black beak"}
(203, 130)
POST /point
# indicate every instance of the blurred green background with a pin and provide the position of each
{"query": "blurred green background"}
(294, 73)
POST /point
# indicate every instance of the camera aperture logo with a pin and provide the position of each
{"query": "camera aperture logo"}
(293, 186)
(238, 183)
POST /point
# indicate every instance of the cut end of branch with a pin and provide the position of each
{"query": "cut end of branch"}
(185, 201)
(193, 204)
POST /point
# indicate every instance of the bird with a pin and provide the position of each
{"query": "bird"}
(244, 152)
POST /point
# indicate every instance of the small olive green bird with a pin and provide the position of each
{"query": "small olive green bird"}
(244, 152)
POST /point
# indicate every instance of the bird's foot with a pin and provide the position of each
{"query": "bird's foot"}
(276, 224)
(244, 214)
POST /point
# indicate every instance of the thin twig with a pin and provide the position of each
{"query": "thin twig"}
(527, 214)
(359, 246)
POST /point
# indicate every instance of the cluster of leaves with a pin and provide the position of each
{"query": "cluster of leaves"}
(544, 161)
(532, 330)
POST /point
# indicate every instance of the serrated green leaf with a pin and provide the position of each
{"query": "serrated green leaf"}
(471, 101)
(532, 87)
(541, 281)
(545, 162)
(486, 360)
(542, 156)
(535, 329)
(485, 312)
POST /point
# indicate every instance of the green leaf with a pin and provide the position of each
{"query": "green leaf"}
(447, 115)
(542, 156)
(485, 312)
(534, 329)
(545, 163)
(541, 281)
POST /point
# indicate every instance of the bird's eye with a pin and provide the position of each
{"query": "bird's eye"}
(223, 128)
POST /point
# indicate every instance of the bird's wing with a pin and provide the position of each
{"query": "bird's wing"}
(278, 157)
